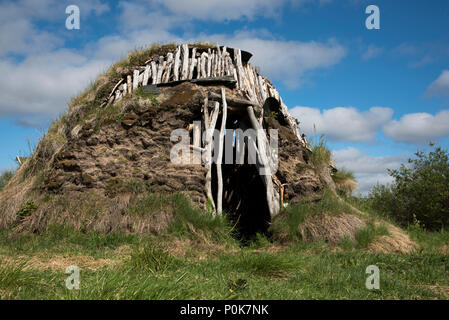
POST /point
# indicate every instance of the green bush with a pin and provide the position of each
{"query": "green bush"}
(419, 193)
(4, 178)
(27, 209)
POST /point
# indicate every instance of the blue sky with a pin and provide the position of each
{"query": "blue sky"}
(377, 95)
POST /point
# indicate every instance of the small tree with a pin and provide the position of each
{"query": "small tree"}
(420, 191)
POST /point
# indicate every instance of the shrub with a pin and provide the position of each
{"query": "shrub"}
(4, 178)
(321, 155)
(419, 193)
(344, 181)
(27, 209)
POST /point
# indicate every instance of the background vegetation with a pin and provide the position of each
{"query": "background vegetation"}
(419, 194)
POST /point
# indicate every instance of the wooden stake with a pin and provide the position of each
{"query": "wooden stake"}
(135, 79)
(146, 75)
(129, 82)
(185, 62)
(154, 71)
(271, 193)
(210, 126)
(160, 70)
(176, 64)
(220, 154)
(192, 63)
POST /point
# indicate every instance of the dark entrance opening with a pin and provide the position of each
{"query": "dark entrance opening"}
(244, 192)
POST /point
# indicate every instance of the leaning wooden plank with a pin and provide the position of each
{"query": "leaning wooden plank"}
(228, 64)
(213, 71)
(167, 70)
(263, 88)
(129, 82)
(208, 167)
(146, 75)
(234, 73)
(209, 63)
(220, 154)
(251, 82)
(203, 65)
(210, 127)
(185, 62)
(135, 79)
(222, 62)
(115, 88)
(218, 61)
(265, 170)
(154, 71)
(160, 70)
(192, 63)
(176, 64)
(196, 133)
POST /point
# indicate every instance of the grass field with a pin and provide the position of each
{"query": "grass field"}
(194, 267)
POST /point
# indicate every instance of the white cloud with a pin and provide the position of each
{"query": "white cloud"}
(440, 87)
(285, 61)
(368, 170)
(342, 124)
(41, 84)
(372, 52)
(18, 33)
(219, 10)
(419, 127)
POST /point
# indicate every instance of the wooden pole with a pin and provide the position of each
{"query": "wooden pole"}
(271, 193)
(220, 154)
(210, 127)
(185, 62)
(176, 64)
(146, 75)
(154, 71)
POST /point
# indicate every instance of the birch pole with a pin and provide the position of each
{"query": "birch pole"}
(129, 83)
(192, 63)
(176, 64)
(135, 79)
(209, 63)
(146, 75)
(210, 127)
(271, 194)
(167, 72)
(220, 154)
(154, 71)
(185, 62)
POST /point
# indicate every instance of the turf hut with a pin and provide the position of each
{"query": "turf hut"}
(118, 139)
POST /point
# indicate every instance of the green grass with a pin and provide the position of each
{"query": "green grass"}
(294, 273)
(342, 175)
(321, 155)
(142, 93)
(213, 265)
(366, 235)
(286, 225)
(152, 258)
